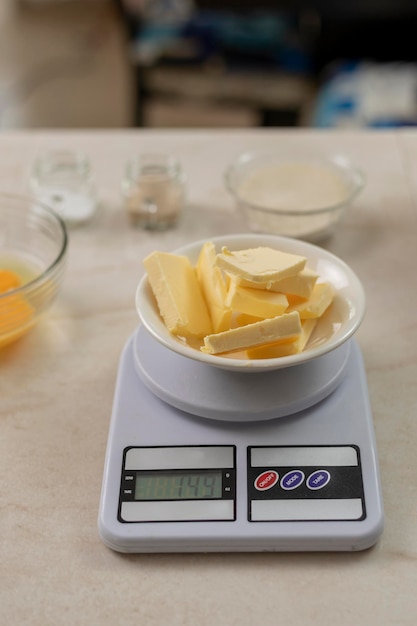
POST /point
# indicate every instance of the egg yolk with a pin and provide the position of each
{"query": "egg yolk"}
(9, 280)
(16, 314)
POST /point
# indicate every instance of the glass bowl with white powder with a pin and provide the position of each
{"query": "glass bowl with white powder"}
(297, 196)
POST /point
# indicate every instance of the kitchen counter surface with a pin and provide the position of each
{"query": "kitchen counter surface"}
(57, 385)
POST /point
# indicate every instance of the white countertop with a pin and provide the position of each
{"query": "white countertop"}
(57, 384)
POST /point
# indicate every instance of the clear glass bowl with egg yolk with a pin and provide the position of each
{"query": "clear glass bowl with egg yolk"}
(33, 246)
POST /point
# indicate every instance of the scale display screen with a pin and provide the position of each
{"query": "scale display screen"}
(178, 485)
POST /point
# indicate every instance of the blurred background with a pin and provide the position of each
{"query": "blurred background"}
(189, 64)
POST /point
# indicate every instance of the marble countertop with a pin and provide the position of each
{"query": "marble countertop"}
(57, 385)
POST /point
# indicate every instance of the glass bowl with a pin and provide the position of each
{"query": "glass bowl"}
(33, 245)
(293, 195)
(338, 324)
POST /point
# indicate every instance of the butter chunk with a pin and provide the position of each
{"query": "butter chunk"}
(213, 285)
(256, 302)
(242, 319)
(282, 327)
(260, 265)
(178, 294)
(285, 348)
(320, 299)
(301, 284)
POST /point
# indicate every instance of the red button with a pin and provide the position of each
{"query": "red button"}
(266, 480)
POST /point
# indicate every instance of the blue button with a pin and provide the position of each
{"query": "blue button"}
(292, 480)
(318, 479)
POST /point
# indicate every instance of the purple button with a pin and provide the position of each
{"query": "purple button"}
(318, 479)
(292, 480)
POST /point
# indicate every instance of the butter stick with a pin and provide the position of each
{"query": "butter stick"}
(281, 328)
(275, 350)
(302, 284)
(178, 294)
(213, 285)
(320, 299)
(256, 302)
(260, 265)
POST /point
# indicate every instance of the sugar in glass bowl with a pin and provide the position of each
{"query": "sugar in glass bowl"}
(33, 247)
(294, 195)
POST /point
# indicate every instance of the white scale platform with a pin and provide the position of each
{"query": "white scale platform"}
(201, 459)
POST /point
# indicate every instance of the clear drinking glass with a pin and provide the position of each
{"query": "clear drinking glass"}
(154, 191)
(62, 180)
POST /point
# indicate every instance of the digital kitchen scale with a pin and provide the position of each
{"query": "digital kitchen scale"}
(201, 459)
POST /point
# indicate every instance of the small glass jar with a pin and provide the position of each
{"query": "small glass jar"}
(62, 180)
(154, 191)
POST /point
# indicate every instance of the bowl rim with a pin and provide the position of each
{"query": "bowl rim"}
(30, 202)
(340, 161)
(143, 293)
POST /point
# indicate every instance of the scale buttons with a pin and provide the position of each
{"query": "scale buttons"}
(292, 480)
(318, 479)
(266, 480)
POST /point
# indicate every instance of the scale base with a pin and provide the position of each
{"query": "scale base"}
(332, 441)
(220, 394)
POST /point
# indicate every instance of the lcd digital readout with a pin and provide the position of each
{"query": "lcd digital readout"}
(178, 485)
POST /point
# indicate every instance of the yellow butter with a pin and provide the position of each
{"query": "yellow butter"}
(213, 285)
(256, 302)
(178, 294)
(285, 348)
(320, 299)
(282, 327)
(301, 284)
(260, 265)
(242, 319)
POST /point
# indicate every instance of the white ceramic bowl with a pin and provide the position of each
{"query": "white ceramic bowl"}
(337, 325)
(293, 194)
